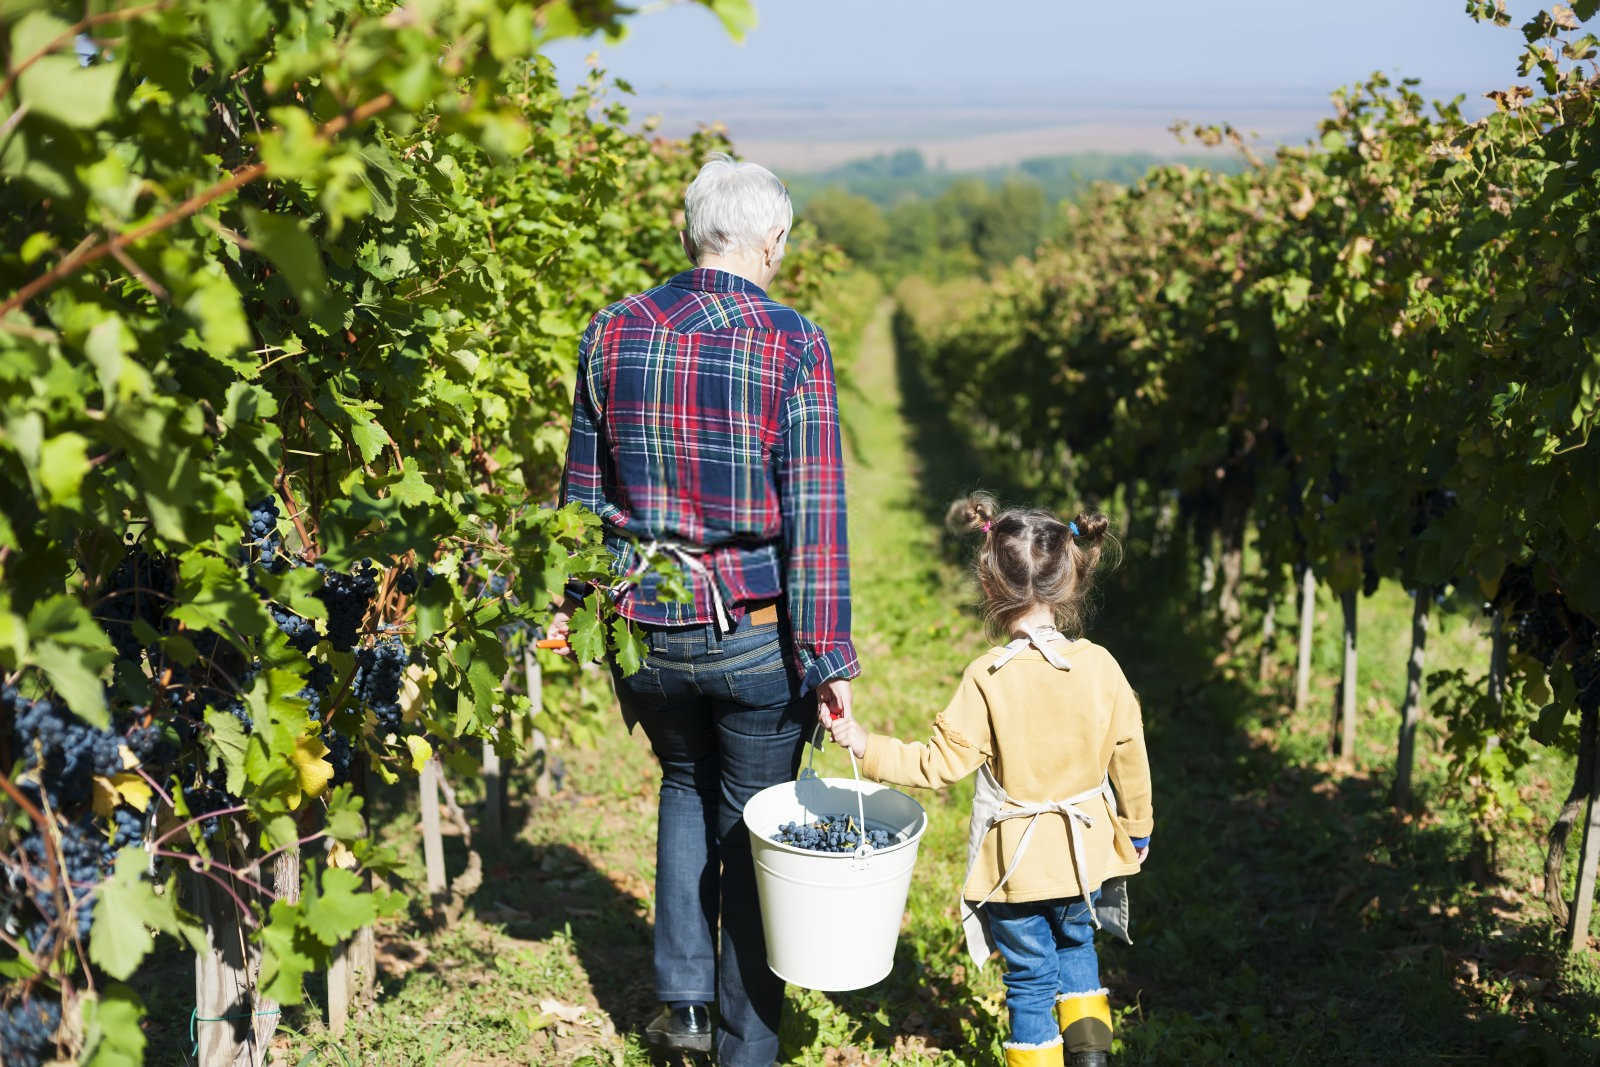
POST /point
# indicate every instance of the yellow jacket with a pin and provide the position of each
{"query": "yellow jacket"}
(1049, 734)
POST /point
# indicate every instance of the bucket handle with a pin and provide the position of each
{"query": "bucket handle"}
(863, 848)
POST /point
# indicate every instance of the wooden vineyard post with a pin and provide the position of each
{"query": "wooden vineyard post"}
(1411, 710)
(1308, 615)
(1588, 864)
(1347, 680)
(233, 1027)
(1589, 854)
(1269, 633)
(543, 780)
(493, 794)
(432, 839)
(352, 977)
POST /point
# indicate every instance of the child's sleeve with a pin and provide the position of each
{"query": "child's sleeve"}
(1130, 765)
(960, 744)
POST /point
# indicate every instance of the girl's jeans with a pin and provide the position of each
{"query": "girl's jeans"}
(726, 720)
(1048, 946)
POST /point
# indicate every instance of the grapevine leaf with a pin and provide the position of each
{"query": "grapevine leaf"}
(58, 88)
(285, 241)
(586, 634)
(344, 822)
(75, 674)
(13, 639)
(630, 648)
(63, 461)
(112, 1034)
(411, 488)
(341, 908)
(738, 17)
(286, 953)
(226, 746)
(215, 307)
(127, 909)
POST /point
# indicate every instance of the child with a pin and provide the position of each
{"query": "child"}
(1053, 728)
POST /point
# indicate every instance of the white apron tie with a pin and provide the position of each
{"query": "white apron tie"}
(687, 555)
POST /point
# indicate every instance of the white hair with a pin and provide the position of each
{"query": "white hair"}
(731, 205)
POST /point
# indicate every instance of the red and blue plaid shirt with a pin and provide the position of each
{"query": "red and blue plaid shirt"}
(705, 415)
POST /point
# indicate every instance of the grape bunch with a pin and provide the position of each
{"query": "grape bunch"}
(261, 535)
(301, 632)
(341, 752)
(138, 591)
(62, 752)
(27, 1031)
(87, 857)
(347, 597)
(830, 833)
(379, 671)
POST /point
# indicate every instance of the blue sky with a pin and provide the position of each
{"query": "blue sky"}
(973, 84)
(1156, 48)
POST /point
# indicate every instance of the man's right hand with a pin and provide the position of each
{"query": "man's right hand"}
(833, 698)
(560, 623)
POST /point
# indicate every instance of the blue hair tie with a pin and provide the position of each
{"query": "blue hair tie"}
(1073, 527)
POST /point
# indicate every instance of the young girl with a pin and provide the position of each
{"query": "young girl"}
(1062, 808)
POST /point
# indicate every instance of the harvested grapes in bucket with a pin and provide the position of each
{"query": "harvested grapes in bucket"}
(832, 833)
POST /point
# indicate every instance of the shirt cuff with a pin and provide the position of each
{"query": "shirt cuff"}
(579, 590)
(1141, 842)
(837, 662)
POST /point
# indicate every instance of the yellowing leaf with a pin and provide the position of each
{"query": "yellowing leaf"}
(133, 790)
(105, 797)
(310, 768)
(421, 751)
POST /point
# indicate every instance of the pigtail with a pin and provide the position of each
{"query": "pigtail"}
(972, 513)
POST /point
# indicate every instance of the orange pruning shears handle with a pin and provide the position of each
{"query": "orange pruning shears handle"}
(551, 642)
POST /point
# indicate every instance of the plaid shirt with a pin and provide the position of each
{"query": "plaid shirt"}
(705, 415)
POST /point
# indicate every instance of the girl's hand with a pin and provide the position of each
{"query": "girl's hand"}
(1142, 853)
(847, 733)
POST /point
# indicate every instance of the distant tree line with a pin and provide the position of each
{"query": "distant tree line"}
(896, 215)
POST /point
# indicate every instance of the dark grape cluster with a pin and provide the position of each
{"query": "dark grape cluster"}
(830, 833)
(407, 583)
(346, 597)
(262, 541)
(63, 752)
(379, 671)
(301, 632)
(27, 1031)
(207, 797)
(87, 855)
(341, 752)
(138, 591)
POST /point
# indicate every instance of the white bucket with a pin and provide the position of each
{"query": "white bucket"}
(832, 919)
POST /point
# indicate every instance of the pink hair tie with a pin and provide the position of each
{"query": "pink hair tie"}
(985, 526)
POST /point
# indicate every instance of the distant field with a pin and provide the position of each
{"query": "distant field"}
(806, 134)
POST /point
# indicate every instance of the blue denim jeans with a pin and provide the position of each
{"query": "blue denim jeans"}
(1048, 946)
(726, 719)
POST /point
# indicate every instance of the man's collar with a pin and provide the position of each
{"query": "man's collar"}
(710, 280)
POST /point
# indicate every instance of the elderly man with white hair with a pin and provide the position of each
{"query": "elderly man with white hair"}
(705, 434)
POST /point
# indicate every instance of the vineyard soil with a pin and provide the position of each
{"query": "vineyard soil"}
(1286, 915)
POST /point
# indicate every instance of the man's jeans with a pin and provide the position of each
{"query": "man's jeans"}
(725, 720)
(1048, 947)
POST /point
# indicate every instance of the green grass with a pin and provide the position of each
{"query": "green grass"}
(1287, 914)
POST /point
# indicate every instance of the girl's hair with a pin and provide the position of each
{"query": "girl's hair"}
(1030, 556)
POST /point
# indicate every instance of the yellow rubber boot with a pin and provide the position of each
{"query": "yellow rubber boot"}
(1034, 1055)
(1085, 1021)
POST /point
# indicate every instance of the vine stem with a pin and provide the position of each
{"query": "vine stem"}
(239, 178)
